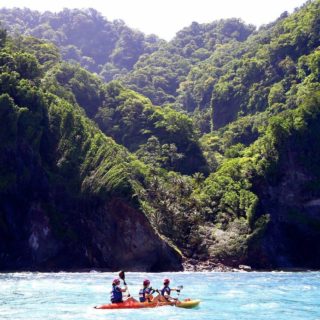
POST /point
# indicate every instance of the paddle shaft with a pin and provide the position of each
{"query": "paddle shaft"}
(122, 276)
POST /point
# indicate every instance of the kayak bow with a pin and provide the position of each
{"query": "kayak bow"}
(188, 303)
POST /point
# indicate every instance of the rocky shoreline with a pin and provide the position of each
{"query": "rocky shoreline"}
(211, 265)
(188, 265)
(193, 265)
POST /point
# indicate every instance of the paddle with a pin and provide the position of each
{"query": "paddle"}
(179, 288)
(122, 276)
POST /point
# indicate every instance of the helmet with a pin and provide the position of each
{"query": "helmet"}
(166, 281)
(146, 282)
(116, 281)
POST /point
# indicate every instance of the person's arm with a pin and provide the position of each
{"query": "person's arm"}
(152, 291)
(124, 289)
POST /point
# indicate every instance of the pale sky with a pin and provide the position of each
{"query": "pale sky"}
(165, 17)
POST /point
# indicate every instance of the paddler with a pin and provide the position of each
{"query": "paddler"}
(166, 290)
(145, 294)
(116, 292)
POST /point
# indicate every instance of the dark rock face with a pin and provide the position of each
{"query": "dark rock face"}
(292, 199)
(112, 236)
(127, 240)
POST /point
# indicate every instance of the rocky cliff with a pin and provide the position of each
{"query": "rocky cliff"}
(113, 236)
(66, 191)
(291, 196)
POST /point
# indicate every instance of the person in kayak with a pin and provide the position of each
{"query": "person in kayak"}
(116, 292)
(166, 291)
(145, 294)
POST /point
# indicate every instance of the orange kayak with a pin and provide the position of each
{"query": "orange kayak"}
(133, 305)
(187, 303)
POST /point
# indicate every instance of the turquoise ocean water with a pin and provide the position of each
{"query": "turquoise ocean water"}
(241, 296)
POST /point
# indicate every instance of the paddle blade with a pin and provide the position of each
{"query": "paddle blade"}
(180, 287)
(122, 275)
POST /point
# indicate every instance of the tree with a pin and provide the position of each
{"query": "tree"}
(3, 37)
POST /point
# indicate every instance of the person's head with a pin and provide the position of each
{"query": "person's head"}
(146, 282)
(116, 282)
(166, 282)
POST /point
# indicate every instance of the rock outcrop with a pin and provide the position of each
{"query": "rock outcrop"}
(291, 198)
(112, 236)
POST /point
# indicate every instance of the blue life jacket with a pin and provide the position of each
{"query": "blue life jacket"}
(166, 290)
(143, 292)
(116, 294)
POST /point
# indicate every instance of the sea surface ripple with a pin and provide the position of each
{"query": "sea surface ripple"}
(224, 296)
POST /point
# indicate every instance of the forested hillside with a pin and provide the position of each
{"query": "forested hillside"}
(146, 64)
(84, 36)
(258, 74)
(67, 190)
(159, 75)
(210, 140)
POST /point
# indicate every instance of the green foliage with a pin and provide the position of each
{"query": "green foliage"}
(258, 74)
(9, 115)
(3, 37)
(255, 95)
(159, 75)
(76, 85)
(157, 155)
(46, 137)
(172, 208)
(132, 120)
(46, 54)
(88, 160)
(27, 66)
(84, 37)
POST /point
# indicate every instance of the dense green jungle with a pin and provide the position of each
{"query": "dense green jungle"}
(122, 150)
